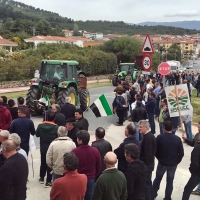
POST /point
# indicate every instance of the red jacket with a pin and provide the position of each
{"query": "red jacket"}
(89, 161)
(5, 118)
(70, 187)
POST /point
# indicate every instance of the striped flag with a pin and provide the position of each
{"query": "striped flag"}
(100, 107)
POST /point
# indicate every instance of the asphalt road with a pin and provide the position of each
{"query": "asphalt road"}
(93, 121)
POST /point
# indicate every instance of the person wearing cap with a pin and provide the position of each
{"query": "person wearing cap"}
(70, 125)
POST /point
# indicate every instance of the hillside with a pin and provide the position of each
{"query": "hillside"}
(180, 24)
(20, 18)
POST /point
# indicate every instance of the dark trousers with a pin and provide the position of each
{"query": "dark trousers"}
(90, 189)
(152, 122)
(148, 183)
(170, 178)
(44, 168)
(25, 148)
(191, 184)
(157, 110)
(120, 114)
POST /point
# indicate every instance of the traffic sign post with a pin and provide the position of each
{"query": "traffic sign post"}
(147, 62)
(147, 47)
(164, 69)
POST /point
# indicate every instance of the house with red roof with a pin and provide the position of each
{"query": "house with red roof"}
(57, 39)
(4, 44)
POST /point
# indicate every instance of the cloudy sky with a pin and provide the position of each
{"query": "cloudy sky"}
(132, 11)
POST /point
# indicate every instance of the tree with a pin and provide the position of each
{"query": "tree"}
(127, 47)
(43, 27)
(174, 52)
(75, 30)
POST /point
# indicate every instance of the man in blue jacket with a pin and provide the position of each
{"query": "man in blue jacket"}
(169, 153)
(23, 126)
(130, 134)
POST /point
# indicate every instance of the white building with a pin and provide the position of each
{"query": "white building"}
(57, 39)
(96, 36)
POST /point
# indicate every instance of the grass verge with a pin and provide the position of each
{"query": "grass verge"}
(13, 95)
(196, 107)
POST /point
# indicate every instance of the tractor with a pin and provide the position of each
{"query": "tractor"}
(57, 79)
(126, 72)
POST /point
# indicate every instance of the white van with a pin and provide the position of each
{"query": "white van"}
(175, 65)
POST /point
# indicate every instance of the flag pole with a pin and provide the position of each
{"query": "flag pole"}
(32, 164)
(179, 112)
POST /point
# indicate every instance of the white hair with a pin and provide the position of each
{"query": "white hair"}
(62, 131)
(5, 134)
(57, 107)
(144, 123)
(15, 138)
(67, 99)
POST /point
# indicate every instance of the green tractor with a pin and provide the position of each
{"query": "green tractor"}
(57, 79)
(126, 72)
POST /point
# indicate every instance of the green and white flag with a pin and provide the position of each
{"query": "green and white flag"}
(101, 107)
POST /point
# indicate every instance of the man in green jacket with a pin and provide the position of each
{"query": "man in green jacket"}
(112, 183)
(47, 131)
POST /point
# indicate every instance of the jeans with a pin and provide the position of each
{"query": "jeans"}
(148, 183)
(137, 134)
(191, 184)
(198, 187)
(152, 122)
(44, 168)
(198, 92)
(161, 128)
(55, 176)
(90, 189)
(188, 130)
(170, 177)
(174, 130)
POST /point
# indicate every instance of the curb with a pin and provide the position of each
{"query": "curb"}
(21, 89)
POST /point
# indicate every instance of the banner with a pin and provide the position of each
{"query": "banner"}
(178, 95)
(32, 146)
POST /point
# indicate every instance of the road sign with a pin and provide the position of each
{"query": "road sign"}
(164, 68)
(147, 62)
(147, 46)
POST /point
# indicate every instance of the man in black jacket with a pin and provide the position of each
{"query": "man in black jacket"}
(169, 153)
(13, 173)
(102, 145)
(139, 113)
(68, 109)
(193, 143)
(70, 125)
(130, 134)
(151, 106)
(135, 174)
(59, 117)
(81, 123)
(194, 170)
(147, 155)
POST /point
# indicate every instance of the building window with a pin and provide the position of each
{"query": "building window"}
(186, 44)
(186, 47)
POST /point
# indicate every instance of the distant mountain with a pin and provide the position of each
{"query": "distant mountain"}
(180, 24)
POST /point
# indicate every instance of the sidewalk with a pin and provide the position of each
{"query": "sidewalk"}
(20, 89)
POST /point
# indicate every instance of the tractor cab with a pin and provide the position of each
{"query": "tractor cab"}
(126, 72)
(55, 71)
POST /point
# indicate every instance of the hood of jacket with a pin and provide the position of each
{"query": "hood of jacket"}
(2, 109)
(138, 166)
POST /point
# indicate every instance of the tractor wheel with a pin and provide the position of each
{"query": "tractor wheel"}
(69, 92)
(128, 79)
(32, 95)
(114, 80)
(84, 99)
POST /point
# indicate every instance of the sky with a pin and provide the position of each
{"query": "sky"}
(131, 11)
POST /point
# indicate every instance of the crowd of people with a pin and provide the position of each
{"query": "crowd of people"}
(76, 170)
